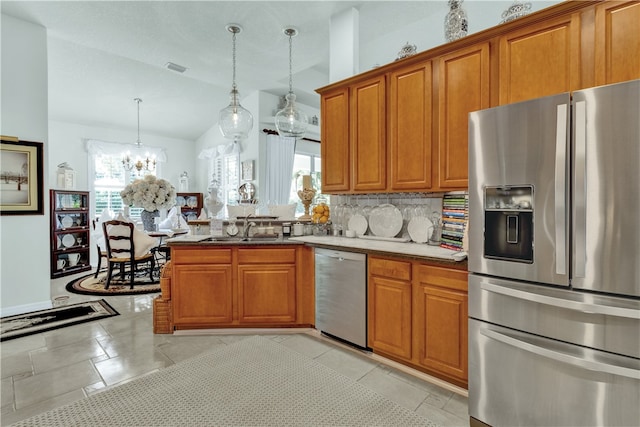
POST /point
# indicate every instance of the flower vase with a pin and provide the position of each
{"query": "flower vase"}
(148, 219)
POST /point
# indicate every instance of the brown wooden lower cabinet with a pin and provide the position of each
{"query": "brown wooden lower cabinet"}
(235, 286)
(418, 316)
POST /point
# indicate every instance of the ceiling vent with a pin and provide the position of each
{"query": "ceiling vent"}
(175, 67)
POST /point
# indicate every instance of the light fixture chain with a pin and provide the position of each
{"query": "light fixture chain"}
(234, 58)
(290, 65)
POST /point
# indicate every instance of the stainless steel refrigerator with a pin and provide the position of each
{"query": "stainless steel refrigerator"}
(554, 260)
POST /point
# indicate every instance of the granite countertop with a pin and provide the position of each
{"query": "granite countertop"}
(419, 250)
(408, 249)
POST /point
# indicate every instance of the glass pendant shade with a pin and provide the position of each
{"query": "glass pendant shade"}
(291, 121)
(235, 121)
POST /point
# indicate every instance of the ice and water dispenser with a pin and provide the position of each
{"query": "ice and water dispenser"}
(508, 223)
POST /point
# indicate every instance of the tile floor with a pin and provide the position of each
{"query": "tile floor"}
(41, 372)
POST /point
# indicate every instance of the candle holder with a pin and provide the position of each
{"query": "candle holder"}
(306, 196)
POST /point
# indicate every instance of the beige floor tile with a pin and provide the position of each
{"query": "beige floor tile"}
(40, 407)
(15, 364)
(72, 334)
(6, 393)
(458, 405)
(307, 345)
(179, 348)
(442, 417)
(122, 368)
(347, 363)
(128, 344)
(394, 389)
(50, 384)
(22, 345)
(49, 359)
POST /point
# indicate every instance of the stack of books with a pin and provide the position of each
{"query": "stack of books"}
(455, 213)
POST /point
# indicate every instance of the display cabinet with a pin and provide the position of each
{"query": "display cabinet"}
(70, 231)
(190, 205)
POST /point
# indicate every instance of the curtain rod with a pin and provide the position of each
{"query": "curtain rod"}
(273, 132)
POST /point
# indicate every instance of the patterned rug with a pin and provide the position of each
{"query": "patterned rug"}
(88, 285)
(58, 317)
(253, 382)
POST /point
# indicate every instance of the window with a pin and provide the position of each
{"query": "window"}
(109, 179)
(226, 170)
(305, 164)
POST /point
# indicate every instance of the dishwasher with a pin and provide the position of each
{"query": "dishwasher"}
(341, 295)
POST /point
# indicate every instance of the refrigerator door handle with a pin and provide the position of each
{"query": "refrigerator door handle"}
(579, 362)
(561, 302)
(560, 190)
(580, 191)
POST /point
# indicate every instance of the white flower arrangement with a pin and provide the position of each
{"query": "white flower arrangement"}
(149, 193)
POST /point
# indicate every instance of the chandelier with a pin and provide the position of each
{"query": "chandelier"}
(291, 121)
(140, 164)
(235, 121)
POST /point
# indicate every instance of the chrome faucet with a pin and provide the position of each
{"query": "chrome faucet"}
(247, 226)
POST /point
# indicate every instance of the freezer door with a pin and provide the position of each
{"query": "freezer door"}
(606, 188)
(519, 379)
(586, 319)
(524, 145)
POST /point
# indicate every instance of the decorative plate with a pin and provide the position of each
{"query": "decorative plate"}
(358, 223)
(385, 221)
(419, 228)
(68, 240)
(180, 201)
(192, 202)
(66, 221)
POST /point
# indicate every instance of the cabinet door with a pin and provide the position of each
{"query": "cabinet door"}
(540, 60)
(335, 141)
(463, 87)
(204, 294)
(617, 42)
(440, 320)
(410, 128)
(368, 135)
(389, 316)
(267, 294)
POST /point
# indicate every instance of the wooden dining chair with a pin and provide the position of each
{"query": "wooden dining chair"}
(121, 251)
(101, 253)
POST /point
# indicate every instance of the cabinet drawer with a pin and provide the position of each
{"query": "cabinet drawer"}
(200, 255)
(269, 255)
(439, 276)
(400, 270)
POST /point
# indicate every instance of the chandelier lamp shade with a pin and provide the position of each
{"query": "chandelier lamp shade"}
(139, 163)
(235, 121)
(291, 121)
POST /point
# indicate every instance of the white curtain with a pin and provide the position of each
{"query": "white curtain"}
(95, 147)
(279, 162)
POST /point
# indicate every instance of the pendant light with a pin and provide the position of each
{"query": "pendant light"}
(291, 121)
(140, 164)
(235, 121)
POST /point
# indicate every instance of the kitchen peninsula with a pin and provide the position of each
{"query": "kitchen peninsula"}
(417, 294)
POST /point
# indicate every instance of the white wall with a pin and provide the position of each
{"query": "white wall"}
(429, 32)
(24, 242)
(67, 145)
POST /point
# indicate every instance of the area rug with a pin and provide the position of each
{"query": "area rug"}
(88, 285)
(253, 382)
(58, 317)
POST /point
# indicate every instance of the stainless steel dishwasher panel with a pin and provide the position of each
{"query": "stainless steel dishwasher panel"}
(341, 295)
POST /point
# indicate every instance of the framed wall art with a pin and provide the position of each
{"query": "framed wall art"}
(21, 177)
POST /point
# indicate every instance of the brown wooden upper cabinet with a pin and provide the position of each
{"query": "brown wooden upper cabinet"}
(617, 42)
(540, 60)
(417, 138)
(410, 128)
(334, 149)
(368, 134)
(463, 87)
